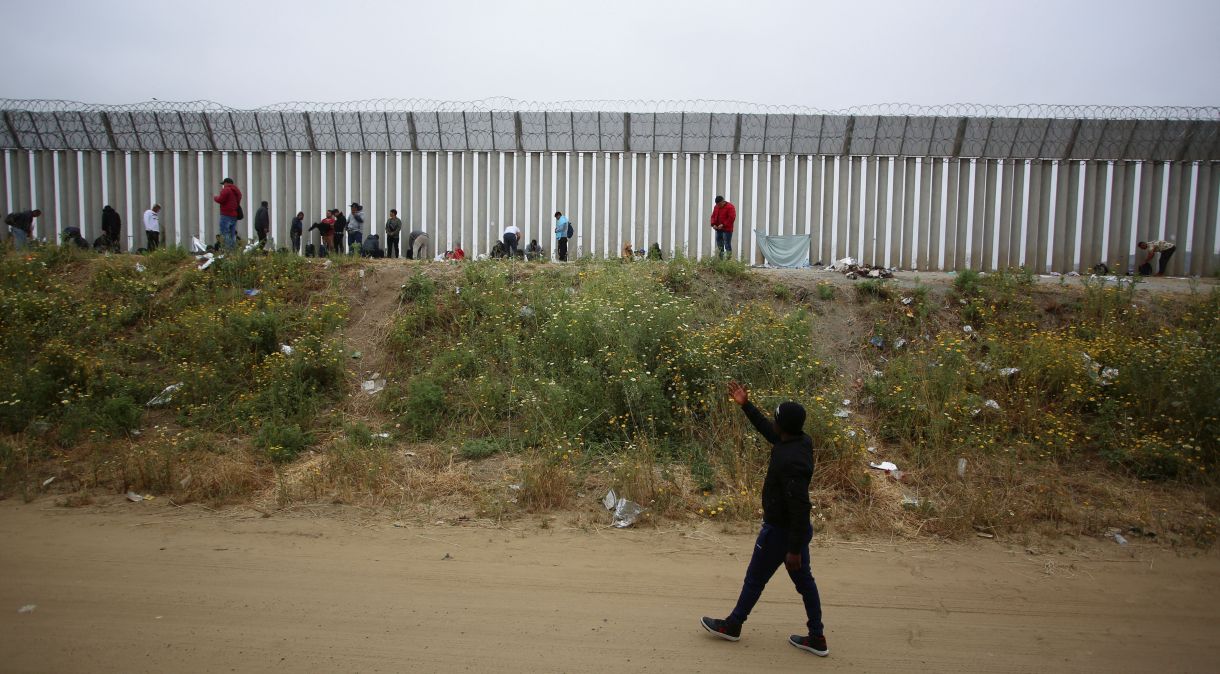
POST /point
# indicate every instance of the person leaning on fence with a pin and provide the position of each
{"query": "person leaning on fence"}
(393, 230)
(112, 226)
(724, 214)
(355, 228)
(262, 224)
(1165, 248)
(295, 230)
(230, 205)
(152, 227)
(563, 232)
(21, 226)
(417, 245)
(786, 531)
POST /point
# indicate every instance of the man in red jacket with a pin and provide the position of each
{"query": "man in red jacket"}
(230, 202)
(724, 214)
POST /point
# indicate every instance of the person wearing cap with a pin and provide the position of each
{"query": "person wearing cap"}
(230, 201)
(21, 226)
(786, 531)
(355, 228)
(724, 214)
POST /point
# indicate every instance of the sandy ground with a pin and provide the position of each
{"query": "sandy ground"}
(152, 588)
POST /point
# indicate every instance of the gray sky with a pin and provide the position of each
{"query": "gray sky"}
(821, 54)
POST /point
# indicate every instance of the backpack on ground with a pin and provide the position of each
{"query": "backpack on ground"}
(309, 250)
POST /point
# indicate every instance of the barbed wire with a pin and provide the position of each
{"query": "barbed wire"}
(689, 126)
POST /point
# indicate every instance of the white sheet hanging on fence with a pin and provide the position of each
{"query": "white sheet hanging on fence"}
(784, 251)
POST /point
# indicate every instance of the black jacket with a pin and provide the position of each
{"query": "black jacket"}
(785, 495)
(111, 222)
(23, 220)
(262, 221)
(340, 223)
(296, 226)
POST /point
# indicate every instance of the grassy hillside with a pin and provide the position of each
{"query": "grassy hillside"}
(533, 388)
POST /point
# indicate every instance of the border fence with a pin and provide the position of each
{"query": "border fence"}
(1052, 188)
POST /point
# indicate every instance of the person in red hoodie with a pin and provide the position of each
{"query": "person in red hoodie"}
(230, 204)
(724, 214)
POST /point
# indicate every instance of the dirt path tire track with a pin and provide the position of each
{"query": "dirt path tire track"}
(147, 587)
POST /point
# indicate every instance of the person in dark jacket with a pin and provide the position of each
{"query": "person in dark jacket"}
(21, 226)
(262, 223)
(393, 231)
(786, 531)
(112, 226)
(295, 230)
(340, 236)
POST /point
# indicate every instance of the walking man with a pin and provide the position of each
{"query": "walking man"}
(724, 214)
(1165, 248)
(152, 227)
(393, 230)
(230, 203)
(563, 231)
(786, 531)
(262, 223)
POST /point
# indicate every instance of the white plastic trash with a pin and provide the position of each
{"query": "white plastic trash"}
(884, 465)
(165, 396)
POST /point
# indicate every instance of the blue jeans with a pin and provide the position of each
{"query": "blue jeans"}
(228, 231)
(19, 237)
(724, 243)
(354, 239)
(769, 552)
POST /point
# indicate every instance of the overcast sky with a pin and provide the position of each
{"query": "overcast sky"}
(827, 55)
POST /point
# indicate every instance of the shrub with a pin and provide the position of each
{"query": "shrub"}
(826, 290)
(873, 289)
(281, 442)
(424, 407)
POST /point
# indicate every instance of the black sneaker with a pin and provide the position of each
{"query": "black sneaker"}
(815, 645)
(722, 628)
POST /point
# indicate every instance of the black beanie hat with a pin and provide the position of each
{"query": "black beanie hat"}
(790, 417)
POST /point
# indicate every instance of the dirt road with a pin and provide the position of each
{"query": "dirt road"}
(152, 588)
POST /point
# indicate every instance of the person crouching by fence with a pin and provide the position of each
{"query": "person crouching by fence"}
(21, 227)
(417, 245)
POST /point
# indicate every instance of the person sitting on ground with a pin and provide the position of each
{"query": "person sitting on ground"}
(627, 252)
(654, 252)
(533, 251)
(1165, 248)
(458, 253)
(72, 235)
(499, 251)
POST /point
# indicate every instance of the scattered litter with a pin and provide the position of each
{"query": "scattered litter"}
(878, 373)
(983, 534)
(1118, 538)
(208, 259)
(48, 481)
(457, 291)
(625, 512)
(871, 450)
(852, 275)
(526, 312)
(852, 269)
(326, 264)
(842, 414)
(28, 608)
(140, 268)
(360, 273)
(399, 525)
(371, 386)
(1009, 371)
(961, 467)
(851, 434)
(992, 404)
(1073, 273)
(286, 350)
(165, 396)
(197, 247)
(185, 482)
(515, 487)
(876, 341)
(884, 465)
(251, 292)
(136, 498)
(408, 453)
(899, 343)
(908, 300)
(846, 402)
(843, 265)
(382, 436)
(356, 354)
(911, 502)
(968, 329)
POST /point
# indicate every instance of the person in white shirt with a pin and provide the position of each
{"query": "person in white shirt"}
(152, 226)
(512, 235)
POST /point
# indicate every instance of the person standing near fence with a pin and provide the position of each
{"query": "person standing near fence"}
(393, 230)
(262, 223)
(295, 230)
(355, 228)
(112, 225)
(230, 203)
(21, 227)
(724, 214)
(562, 234)
(152, 227)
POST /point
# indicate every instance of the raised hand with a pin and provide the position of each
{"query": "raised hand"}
(738, 393)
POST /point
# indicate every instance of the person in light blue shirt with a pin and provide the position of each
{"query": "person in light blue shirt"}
(563, 231)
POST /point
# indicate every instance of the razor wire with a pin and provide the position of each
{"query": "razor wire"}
(1068, 132)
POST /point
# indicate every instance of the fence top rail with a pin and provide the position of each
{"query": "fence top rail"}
(1063, 132)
